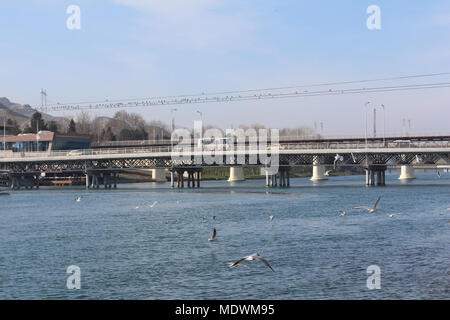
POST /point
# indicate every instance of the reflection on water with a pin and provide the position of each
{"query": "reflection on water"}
(127, 248)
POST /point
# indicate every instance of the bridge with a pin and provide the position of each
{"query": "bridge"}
(101, 164)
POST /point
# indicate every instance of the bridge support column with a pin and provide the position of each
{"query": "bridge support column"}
(318, 171)
(407, 173)
(180, 178)
(284, 176)
(273, 180)
(379, 179)
(159, 175)
(172, 183)
(87, 181)
(109, 180)
(14, 184)
(236, 174)
(376, 172)
(198, 178)
(26, 180)
(192, 175)
(95, 181)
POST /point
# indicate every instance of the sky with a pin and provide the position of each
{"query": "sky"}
(143, 48)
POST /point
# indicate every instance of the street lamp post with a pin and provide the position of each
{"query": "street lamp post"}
(4, 132)
(173, 126)
(365, 109)
(37, 135)
(384, 124)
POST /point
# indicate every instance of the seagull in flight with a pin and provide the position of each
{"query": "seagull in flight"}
(252, 257)
(391, 215)
(78, 199)
(327, 173)
(336, 159)
(342, 213)
(153, 204)
(213, 238)
(271, 218)
(371, 210)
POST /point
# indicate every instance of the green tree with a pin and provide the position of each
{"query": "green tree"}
(36, 124)
(52, 126)
(72, 126)
(133, 134)
(107, 135)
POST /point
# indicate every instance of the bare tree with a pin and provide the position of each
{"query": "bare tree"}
(83, 123)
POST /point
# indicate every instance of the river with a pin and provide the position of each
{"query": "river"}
(128, 249)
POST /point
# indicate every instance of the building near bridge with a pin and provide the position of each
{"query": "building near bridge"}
(45, 141)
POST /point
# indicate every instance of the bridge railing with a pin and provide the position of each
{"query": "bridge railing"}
(8, 154)
(299, 137)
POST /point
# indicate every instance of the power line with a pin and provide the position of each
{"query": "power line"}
(224, 95)
(266, 89)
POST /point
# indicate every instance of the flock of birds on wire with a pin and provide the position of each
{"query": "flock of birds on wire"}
(253, 94)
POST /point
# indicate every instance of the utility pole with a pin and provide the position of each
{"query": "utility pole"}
(43, 97)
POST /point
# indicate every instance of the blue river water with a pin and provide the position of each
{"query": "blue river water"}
(127, 249)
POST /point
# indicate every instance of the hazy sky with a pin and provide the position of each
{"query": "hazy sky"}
(144, 48)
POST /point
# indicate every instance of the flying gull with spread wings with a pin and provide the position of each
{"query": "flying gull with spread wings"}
(371, 210)
(252, 257)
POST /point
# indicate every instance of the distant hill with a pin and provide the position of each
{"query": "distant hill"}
(21, 113)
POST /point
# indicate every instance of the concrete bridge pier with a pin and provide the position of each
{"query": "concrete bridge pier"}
(180, 178)
(273, 180)
(95, 179)
(159, 175)
(236, 174)
(407, 173)
(376, 175)
(172, 180)
(192, 175)
(95, 184)
(318, 171)
(28, 181)
(284, 177)
(110, 180)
